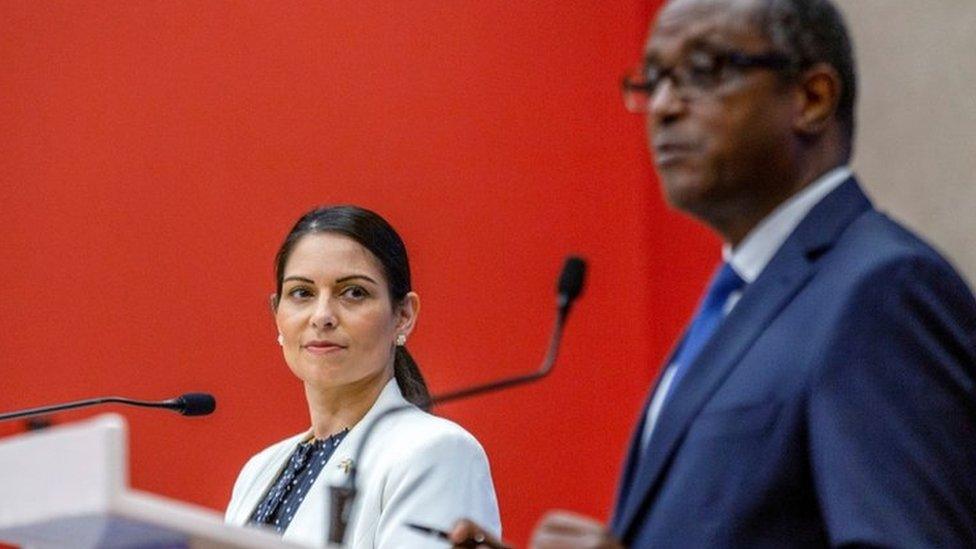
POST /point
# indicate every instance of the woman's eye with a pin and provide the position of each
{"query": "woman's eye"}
(355, 293)
(299, 293)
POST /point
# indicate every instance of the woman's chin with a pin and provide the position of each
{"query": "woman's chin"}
(333, 377)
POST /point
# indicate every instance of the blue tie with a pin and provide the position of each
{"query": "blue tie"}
(707, 319)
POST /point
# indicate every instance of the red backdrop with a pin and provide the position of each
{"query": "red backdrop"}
(154, 154)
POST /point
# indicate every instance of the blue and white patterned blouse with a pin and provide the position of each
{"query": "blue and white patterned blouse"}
(281, 502)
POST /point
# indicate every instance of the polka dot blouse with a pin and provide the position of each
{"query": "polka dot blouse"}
(288, 492)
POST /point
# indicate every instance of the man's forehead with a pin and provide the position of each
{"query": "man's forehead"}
(691, 21)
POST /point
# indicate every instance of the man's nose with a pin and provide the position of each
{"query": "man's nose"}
(666, 102)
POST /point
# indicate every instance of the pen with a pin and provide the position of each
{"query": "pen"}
(470, 543)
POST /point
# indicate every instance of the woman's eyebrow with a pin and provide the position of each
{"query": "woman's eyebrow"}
(347, 278)
(298, 278)
(355, 276)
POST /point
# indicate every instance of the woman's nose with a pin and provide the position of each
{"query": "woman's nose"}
(324, 314)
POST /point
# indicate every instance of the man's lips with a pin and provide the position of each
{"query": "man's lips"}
(670, 152)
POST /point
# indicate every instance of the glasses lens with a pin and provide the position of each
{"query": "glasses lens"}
(701, 71)
(636, 91)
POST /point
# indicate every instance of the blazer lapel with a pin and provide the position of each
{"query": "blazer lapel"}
(263, 478)
(761, 302)
(309, 520)
(311, 513)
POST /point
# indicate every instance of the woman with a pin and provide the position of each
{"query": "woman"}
(344, 309)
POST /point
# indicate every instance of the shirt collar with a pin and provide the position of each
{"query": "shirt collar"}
(757, 249)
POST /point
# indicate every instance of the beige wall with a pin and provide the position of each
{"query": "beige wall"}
(916, 150)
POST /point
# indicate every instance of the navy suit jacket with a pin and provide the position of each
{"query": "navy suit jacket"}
(834, 405)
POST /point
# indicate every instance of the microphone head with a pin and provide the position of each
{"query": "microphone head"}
(571, 279)
(196, 404)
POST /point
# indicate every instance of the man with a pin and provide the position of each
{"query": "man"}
(825, 392)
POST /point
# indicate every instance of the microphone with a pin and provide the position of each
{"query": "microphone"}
(570, 281)
(569, 287)
(189, 404)
(192, 404)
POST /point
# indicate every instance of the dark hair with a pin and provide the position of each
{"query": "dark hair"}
(810, 32)
(376, 235)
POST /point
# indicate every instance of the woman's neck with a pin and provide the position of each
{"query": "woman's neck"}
(336, 408)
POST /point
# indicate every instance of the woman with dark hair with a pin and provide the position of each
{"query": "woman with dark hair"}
(344, 308)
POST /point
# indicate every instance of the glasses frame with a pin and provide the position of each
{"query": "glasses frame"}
(635, 82)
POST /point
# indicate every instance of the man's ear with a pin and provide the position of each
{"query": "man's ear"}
(819, 94)
(406, 313)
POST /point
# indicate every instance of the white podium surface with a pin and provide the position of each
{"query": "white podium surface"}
(67, 486)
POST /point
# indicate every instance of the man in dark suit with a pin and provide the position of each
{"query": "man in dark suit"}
(825, 391)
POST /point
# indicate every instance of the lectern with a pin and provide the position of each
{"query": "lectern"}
(67, 486)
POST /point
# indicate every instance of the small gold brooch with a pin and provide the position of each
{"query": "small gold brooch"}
(345, 465)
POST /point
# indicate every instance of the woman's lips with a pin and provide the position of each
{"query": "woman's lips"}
(322, 347)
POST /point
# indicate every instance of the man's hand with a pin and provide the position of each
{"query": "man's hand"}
(468, 534)
(566, 530)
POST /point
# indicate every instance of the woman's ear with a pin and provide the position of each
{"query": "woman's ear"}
(273, 303)
(406, 313)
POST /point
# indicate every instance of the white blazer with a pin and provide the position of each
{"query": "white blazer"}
(415, 468)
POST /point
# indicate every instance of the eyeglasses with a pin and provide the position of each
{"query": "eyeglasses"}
(698, 74)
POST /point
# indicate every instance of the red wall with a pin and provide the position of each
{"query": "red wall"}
(153, 155)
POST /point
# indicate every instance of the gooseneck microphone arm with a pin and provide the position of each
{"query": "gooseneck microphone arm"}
(569, 288)
(543, 371)
(189, 404)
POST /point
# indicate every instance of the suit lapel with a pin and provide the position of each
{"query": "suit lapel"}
(788, 271)
(634, 448)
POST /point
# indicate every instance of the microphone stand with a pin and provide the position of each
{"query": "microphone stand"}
(190, 404)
